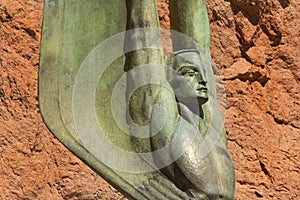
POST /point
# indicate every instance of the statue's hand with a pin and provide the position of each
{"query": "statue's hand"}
(158, 187)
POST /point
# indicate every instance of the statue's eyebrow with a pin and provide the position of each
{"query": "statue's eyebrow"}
(187, 67)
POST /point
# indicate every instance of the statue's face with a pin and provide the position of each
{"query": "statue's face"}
(189, 82)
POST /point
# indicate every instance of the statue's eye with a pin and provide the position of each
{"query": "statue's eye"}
(188, 73)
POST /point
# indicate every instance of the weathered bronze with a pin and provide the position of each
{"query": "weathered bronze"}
(161, 134)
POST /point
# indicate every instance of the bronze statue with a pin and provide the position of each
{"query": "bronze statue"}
(148, 123)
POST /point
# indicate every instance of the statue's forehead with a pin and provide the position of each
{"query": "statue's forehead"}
(188, 59)
(191, 57)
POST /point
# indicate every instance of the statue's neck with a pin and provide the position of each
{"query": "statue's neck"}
(188, 114)
(193, 107)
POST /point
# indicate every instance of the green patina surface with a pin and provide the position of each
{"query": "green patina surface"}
(71, 30)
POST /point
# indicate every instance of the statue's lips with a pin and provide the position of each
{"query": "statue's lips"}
(202, 89)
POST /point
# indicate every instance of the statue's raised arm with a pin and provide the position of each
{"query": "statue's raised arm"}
(173, 99)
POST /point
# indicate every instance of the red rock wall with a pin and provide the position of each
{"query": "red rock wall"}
(255, 45)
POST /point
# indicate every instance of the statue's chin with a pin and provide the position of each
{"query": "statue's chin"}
(202, 100)
(199, 100)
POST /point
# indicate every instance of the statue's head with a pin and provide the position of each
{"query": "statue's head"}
(188, 78)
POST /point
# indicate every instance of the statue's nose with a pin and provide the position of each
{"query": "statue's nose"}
(201, 79)
(202, 76)
(202, 82)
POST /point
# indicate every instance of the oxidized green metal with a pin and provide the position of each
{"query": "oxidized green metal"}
(177, 103)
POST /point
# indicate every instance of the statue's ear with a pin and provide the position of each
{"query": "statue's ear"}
(169, 66)
(169, 60)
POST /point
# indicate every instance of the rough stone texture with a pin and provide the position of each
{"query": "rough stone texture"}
(255, 46)
(263, 104)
